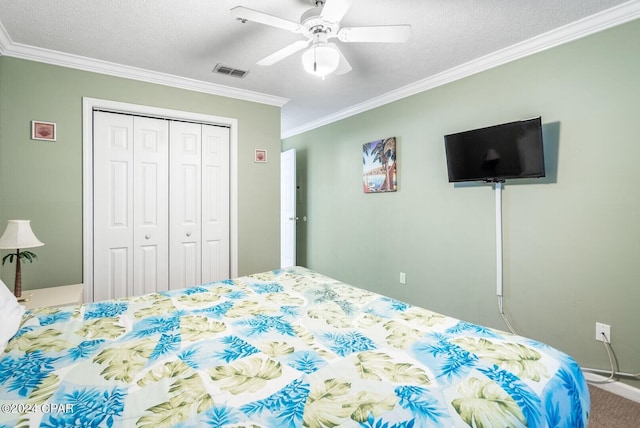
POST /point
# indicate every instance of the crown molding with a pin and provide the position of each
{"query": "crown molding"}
(609, 18)
(17, 50)
(5, 40)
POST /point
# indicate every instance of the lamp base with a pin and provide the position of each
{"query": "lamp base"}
(25, 298)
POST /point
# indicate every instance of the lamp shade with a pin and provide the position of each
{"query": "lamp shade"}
(18, 235)
(321, 59)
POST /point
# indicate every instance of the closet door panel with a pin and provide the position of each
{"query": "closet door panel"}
(185, 205)
(118, 278)
(215, 203)
(161, 204)
(151, 196)
(113, 205)
(190, 265)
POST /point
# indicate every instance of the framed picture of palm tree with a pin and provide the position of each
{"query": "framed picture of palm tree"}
(379, 166)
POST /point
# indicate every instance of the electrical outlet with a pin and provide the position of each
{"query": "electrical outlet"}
(403, 278)
(603, 332)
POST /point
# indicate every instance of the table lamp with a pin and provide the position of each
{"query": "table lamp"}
(18, 235)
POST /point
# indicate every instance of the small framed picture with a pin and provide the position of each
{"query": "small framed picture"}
(43, 130)
(380, 166)
(261, 156)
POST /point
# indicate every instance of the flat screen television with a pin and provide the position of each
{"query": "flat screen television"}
(496, 153)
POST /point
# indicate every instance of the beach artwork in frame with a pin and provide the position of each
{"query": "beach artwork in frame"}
(379, 166)
(43, 130)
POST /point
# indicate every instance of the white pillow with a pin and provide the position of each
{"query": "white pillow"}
(11, 314)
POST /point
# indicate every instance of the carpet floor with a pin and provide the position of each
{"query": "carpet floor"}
(612, 411)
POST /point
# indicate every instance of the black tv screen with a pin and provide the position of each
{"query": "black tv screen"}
(496, 153)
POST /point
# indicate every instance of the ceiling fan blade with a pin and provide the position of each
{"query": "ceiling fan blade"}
(376, 34)
(244, 13)
(334, 10)
(284, 52)
(343, 66)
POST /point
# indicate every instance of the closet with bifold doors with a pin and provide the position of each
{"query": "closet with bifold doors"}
(161, 204)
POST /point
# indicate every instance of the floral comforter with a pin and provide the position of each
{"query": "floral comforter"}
(285, 348)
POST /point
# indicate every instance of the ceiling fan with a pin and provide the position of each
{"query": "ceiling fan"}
(319, 25)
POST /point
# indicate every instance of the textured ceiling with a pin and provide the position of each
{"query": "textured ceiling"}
(188, 38)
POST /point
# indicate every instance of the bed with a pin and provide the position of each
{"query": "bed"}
(285, 348)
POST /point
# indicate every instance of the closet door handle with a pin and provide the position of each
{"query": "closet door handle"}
(147, 236)
(188, 233)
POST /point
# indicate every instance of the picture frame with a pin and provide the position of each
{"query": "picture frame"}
(380, 166)
(260, 156)
(41, 130)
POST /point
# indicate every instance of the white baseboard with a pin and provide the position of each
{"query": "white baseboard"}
(618, 388)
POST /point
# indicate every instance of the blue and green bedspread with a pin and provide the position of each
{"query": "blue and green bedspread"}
(286, 348)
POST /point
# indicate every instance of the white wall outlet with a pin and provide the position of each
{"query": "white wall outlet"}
(403, 278)
(603, 332)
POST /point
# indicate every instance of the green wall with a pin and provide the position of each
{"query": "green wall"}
(42, 181)
(572, 240)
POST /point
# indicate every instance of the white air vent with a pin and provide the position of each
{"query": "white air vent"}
(230, 71)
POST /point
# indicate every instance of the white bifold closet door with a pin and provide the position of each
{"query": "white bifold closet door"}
(199, 208)
(161, 204)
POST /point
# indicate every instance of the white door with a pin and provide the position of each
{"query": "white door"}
(130, 205)
(161, 205)
(288, 208)
(151, 202)
(215, 203)
(199, 213)
(186, 205)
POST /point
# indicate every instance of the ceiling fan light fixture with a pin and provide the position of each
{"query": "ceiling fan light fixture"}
(321, 59)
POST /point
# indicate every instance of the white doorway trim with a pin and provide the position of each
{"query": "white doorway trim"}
(91, 104)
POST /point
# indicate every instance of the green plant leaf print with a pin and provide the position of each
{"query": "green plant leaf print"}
(248, 375)
(39, 312)
(350, 293)
(246, 308)
(188, 396)
(304, 334)
(276, 349)
(420, 317)
(283, 299)
(331, 313)
(401, 335)
(196, 300)
(161, 306)
(42, 340)
(328, 404)
(126, 361)
(519, 359)
(23, 422)
(483, 404)
(221, 290)
(373, 365)
(192, 390)
(378, 366)
(408, 373)
(169, 369)
(167, 414)
(264, 276)
(370, 403)
(369, 320)
(101, 328)
(45, 390)
(147, 297)
(199, 327)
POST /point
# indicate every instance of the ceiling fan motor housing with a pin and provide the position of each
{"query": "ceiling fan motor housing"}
(312, 23)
